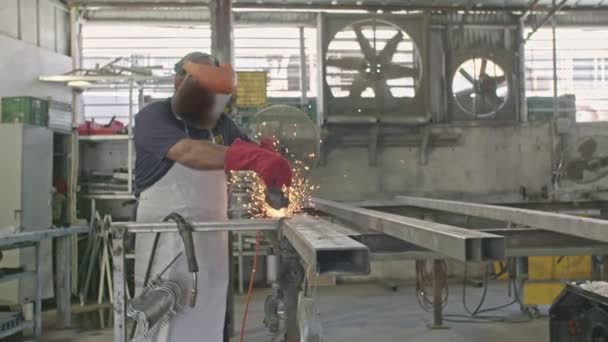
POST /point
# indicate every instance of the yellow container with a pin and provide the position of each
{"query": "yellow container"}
(547, 273)
(541, 293)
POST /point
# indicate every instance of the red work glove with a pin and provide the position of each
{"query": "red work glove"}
(267, 144)
(274, 170)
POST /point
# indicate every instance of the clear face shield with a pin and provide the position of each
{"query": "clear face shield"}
(219, 104)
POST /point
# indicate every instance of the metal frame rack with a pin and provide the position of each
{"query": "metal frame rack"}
(63, 256)
(344, 238)
(93, 81)
(319, 244)
(304, 239)
(547, 234)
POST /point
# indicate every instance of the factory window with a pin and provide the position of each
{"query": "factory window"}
(135, 46)
(275, 51)
(582, 70)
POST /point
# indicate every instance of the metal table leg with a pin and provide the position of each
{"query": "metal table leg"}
(38, 303)
(521, 275)
(230, 325)
(437, 296)
(290, 280)
(118, 257)
(240, 265)
(63, 293)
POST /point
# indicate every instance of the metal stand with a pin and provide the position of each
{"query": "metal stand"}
(437, 300)
(38, 301)
(291, 277)
(118, 258)
(33, 240)
(63, 293)
(305, 240)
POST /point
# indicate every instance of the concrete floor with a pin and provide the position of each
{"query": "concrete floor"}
(365, 312)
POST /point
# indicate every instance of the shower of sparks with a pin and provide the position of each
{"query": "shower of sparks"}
(298, 194)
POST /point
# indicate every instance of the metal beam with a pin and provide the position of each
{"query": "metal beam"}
(450, 241)
(323, 248)
(587, 228)
(200, 227)
(519, 243)
(529, 8)
(101, 78)
(10, 240)
(523, 242)
(549, 15)
(221, 30)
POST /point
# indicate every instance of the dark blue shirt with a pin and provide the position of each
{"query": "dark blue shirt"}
(157, 129)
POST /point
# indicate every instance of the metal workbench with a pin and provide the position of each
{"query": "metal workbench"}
(344, 238)
(63, 276)
(302, 241)
(550, 234)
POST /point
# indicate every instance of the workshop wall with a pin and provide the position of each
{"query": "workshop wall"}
(486, 164)
(31, 48)
(22, 63)
(43, 23)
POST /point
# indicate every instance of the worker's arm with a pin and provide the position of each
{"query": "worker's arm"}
(198, 154)
(272, 168)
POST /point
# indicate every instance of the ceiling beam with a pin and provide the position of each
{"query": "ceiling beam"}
(289, 5)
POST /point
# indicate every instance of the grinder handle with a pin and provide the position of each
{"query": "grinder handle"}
(185, 232)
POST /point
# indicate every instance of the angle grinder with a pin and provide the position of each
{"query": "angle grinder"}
(276, 199)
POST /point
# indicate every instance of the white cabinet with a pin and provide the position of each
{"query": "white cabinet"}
(26, 160)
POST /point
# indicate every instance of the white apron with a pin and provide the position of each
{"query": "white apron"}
(197, 196)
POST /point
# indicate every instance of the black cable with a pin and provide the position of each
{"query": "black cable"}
(474, 316)
(483, 295)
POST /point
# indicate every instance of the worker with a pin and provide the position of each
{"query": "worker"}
(184, 145)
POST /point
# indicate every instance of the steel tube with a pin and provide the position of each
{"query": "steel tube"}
(437, 300)
(303, 73)
(520, 242)
(120, 286)
(554, 54)
(38, 301)
(454, 242)
(130, 142)
(200, 227)
(550, 14)
(324, 249)
(588, 228)
(30, 237)
(63, 295)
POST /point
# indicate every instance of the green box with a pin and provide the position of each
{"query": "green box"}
(25, 109)
(540, 109)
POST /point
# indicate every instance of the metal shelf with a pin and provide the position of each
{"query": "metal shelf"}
(16, 276)
(91, 81)
(80, 81)
(22, 326)
(112, 196)
(113, 137)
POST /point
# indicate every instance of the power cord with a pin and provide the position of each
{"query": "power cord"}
(258, 238)
(424, 277)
